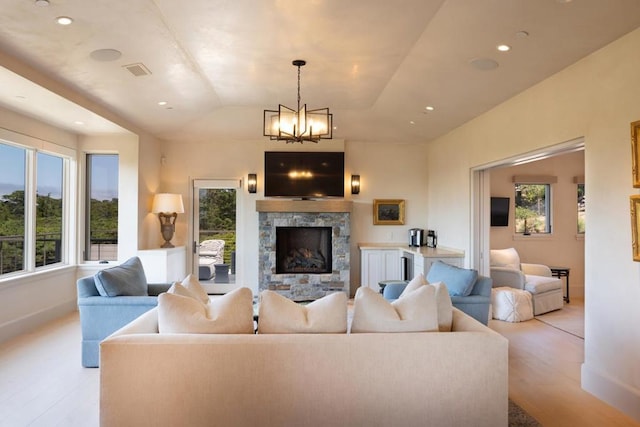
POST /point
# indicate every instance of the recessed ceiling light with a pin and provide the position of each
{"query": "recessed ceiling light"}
(503, 47)
(484, 64)
(42, 3)
(429, 108)
(522, 34)
(162, 103)
(412, 122)
(105, 55)
(79, 122)
(64, 20)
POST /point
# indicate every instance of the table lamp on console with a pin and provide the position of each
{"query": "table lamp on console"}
(167, 206)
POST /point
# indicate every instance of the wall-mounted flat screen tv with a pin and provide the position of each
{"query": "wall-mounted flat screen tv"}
(303, 174)
(499, 211)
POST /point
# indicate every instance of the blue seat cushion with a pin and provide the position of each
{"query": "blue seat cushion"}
(459, 281)
(126, 279)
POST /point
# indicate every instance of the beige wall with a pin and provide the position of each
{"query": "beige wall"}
(596, 99)
(564, 247)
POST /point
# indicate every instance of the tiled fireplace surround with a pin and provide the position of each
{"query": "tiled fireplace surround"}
(304, 213)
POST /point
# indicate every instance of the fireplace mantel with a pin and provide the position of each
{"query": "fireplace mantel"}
(304, 205)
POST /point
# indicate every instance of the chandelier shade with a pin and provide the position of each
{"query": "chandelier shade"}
(299, 125)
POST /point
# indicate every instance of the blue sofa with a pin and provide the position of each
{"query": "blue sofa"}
(101, 314)
(476, 303)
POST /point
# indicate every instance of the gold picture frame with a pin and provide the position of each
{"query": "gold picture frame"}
(635, 225)
(388, 212)
(635, 153)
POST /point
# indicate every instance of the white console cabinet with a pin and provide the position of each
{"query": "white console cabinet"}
(164, 265)
(378, 265)
(381, 261)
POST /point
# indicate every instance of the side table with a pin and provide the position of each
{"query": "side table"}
(560, 272)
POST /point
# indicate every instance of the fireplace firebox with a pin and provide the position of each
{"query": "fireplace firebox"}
(303, 250)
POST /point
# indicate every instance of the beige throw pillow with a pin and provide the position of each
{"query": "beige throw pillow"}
(280, 315)
(192, 283)
(230, 314)
(443, 300)
(178, 289)
(414, 312)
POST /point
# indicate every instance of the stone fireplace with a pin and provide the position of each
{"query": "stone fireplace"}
(304, 247)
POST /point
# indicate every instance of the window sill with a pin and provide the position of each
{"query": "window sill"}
(536, 237)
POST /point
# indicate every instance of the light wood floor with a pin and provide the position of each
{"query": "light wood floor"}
(43, 384)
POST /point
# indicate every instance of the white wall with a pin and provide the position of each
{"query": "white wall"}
(564, 247)
(596, 98)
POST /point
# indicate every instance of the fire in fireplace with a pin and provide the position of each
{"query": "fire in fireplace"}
(303, 250)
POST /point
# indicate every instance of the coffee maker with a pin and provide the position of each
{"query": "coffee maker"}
(416, 237)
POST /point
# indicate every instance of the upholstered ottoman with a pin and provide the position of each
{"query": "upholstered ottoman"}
(511, 305)
(206, 267)
(546, 293)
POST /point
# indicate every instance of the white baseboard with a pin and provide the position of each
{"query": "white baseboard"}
(619, 395)
(33, 321)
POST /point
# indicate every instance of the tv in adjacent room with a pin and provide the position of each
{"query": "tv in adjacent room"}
(304, 174)
(499, 211)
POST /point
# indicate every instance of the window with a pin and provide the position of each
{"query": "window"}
(32, 209)
(101, 234)
(49, 209)
(581, 209)
(533, 208)
(12, 208)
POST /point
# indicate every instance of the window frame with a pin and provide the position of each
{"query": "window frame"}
(548, 208)
(32, 147)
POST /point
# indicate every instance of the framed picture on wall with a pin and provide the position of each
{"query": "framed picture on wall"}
(388, 212)
(635, 226)
(635, 153)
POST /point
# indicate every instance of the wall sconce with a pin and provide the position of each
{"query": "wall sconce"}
(167, 206)
(252, 183)
(355, 184)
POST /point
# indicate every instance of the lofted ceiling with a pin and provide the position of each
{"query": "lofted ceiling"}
(219, 63)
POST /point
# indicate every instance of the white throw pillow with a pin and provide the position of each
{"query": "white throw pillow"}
(178, 289)
(414, 284)
(192, 283)
(280, 315)
(443, 300)
(230, 314)
(414, 312)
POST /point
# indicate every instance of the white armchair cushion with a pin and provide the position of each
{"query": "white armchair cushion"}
(504, 276)
(536, 270)
(508, 258)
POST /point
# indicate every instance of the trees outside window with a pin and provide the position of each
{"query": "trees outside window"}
(12, 208)
(49, 209)
(581, 209)
(533, 208)
(32, 218)
(101, 221)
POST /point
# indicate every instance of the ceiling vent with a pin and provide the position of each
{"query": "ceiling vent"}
(138, 69)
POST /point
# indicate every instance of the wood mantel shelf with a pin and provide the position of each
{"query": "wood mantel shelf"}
(304, 205)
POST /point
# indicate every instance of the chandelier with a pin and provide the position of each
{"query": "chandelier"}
(298, 125)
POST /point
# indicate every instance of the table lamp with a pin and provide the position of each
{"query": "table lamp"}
(167, 206)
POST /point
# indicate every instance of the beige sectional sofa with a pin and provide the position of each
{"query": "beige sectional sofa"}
(457, 378)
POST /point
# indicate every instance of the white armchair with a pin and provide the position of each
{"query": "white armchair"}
(507, 270)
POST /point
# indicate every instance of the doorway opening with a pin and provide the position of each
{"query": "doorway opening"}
(215, 213)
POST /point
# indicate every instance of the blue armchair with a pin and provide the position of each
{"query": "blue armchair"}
(476, 303)
(101, 315)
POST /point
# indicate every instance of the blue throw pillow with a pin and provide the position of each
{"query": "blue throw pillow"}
(126, 279)
(459, 281)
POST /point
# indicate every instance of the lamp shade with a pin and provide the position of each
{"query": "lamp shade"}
(166, 202)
